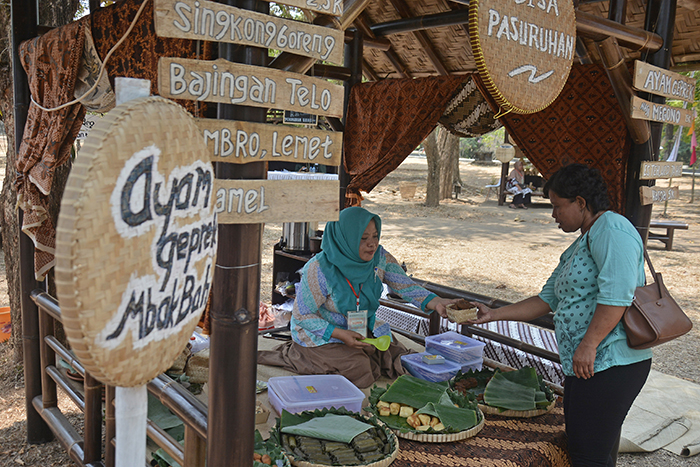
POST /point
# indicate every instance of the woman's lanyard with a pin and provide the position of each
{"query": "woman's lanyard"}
(357, 295)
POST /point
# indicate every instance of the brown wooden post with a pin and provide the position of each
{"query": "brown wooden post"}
(235, 299)
(110, 426)
(49, 397)
(502, 186)
(353, 61)
(92, 431)
(195, 448)
(660, 18)
(24, 27)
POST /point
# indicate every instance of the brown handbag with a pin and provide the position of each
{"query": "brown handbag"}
(654, 317)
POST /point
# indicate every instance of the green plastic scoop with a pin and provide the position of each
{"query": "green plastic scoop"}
(381, 342)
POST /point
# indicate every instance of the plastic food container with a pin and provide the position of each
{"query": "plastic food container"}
(310, 392)
(475, 365)
(414, 364)
(456, 347)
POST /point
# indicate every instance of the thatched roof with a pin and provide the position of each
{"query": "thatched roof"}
(451, 49)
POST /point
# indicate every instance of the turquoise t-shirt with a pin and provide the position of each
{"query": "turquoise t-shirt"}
(603, 266)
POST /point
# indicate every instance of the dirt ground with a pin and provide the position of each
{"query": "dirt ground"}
(469, 243)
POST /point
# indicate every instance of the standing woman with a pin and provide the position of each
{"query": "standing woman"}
(346, 277)
(588, 293)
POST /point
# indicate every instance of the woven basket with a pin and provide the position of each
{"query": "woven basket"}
(198, 367)
(178, 365)
(380, 463)
(443, 437)
(517, 413)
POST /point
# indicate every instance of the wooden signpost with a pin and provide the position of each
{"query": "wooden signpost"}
(244, 142)
(652, 170)
(211, 21)
(328, 7)
(655, 80)
(256, 201)
(233, 83)
(652, 194)
(646, 110)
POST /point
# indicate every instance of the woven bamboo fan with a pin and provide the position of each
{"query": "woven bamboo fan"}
(136, 241)
(523, 50)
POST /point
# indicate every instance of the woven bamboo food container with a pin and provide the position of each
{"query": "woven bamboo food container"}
(461, 311)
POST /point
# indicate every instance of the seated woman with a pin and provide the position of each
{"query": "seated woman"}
(347, 276)
(516, 186)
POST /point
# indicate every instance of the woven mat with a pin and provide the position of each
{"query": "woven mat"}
(532, 442)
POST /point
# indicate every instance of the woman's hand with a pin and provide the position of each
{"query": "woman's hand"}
(584, 358)
(484, 315)
(440, 305)
(350, 338)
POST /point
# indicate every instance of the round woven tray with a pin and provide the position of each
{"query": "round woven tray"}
(443, 437)
(380, 463)
(517, 413)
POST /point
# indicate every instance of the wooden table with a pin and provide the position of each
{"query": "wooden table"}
(670, 227)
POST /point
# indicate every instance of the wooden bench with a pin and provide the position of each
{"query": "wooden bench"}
(670, 227)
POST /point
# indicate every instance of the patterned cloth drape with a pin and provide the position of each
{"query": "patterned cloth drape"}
(386, 121)
(51, 63)
(585, 125)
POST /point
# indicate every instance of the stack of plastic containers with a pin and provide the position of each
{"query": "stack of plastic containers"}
(468, 353)
(299, 393)
(435, 372)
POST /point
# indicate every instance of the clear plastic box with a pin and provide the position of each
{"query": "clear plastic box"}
(475, 365)
(414, 364)
(455, 346)
(310, 392)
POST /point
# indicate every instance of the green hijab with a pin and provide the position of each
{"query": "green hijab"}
(340, 261)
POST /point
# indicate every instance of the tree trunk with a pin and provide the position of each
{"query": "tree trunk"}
(667, 141)
(448, 148)
(432, 195)
(456, 178)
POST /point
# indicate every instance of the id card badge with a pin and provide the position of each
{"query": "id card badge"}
(357, 321)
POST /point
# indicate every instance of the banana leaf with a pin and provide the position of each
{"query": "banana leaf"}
(516, 390)
(454, 418)
(414, 391)
(330, 427)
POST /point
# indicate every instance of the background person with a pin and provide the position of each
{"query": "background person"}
(589, 291)
(351, 266)
(515, 184)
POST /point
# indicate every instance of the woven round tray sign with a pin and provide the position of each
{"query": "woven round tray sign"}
(136, 241)
(523, 49)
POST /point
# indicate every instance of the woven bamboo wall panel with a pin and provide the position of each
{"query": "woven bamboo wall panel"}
(136, 241)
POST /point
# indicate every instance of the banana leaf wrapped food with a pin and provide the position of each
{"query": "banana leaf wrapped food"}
(519, 393)
(335, 437)
(426, 409)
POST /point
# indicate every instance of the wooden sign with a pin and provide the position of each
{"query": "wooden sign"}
(646, 110)
(652, 170)
(257, 201)
(299, 118)
(655, 80)
(234, 83)
(523, 50)
(136, 241)
(328, 7)
(244, 142)
(211, 21)
(653, 194)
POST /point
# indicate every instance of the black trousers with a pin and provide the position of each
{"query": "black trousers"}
(520, 199)
(595, 408)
